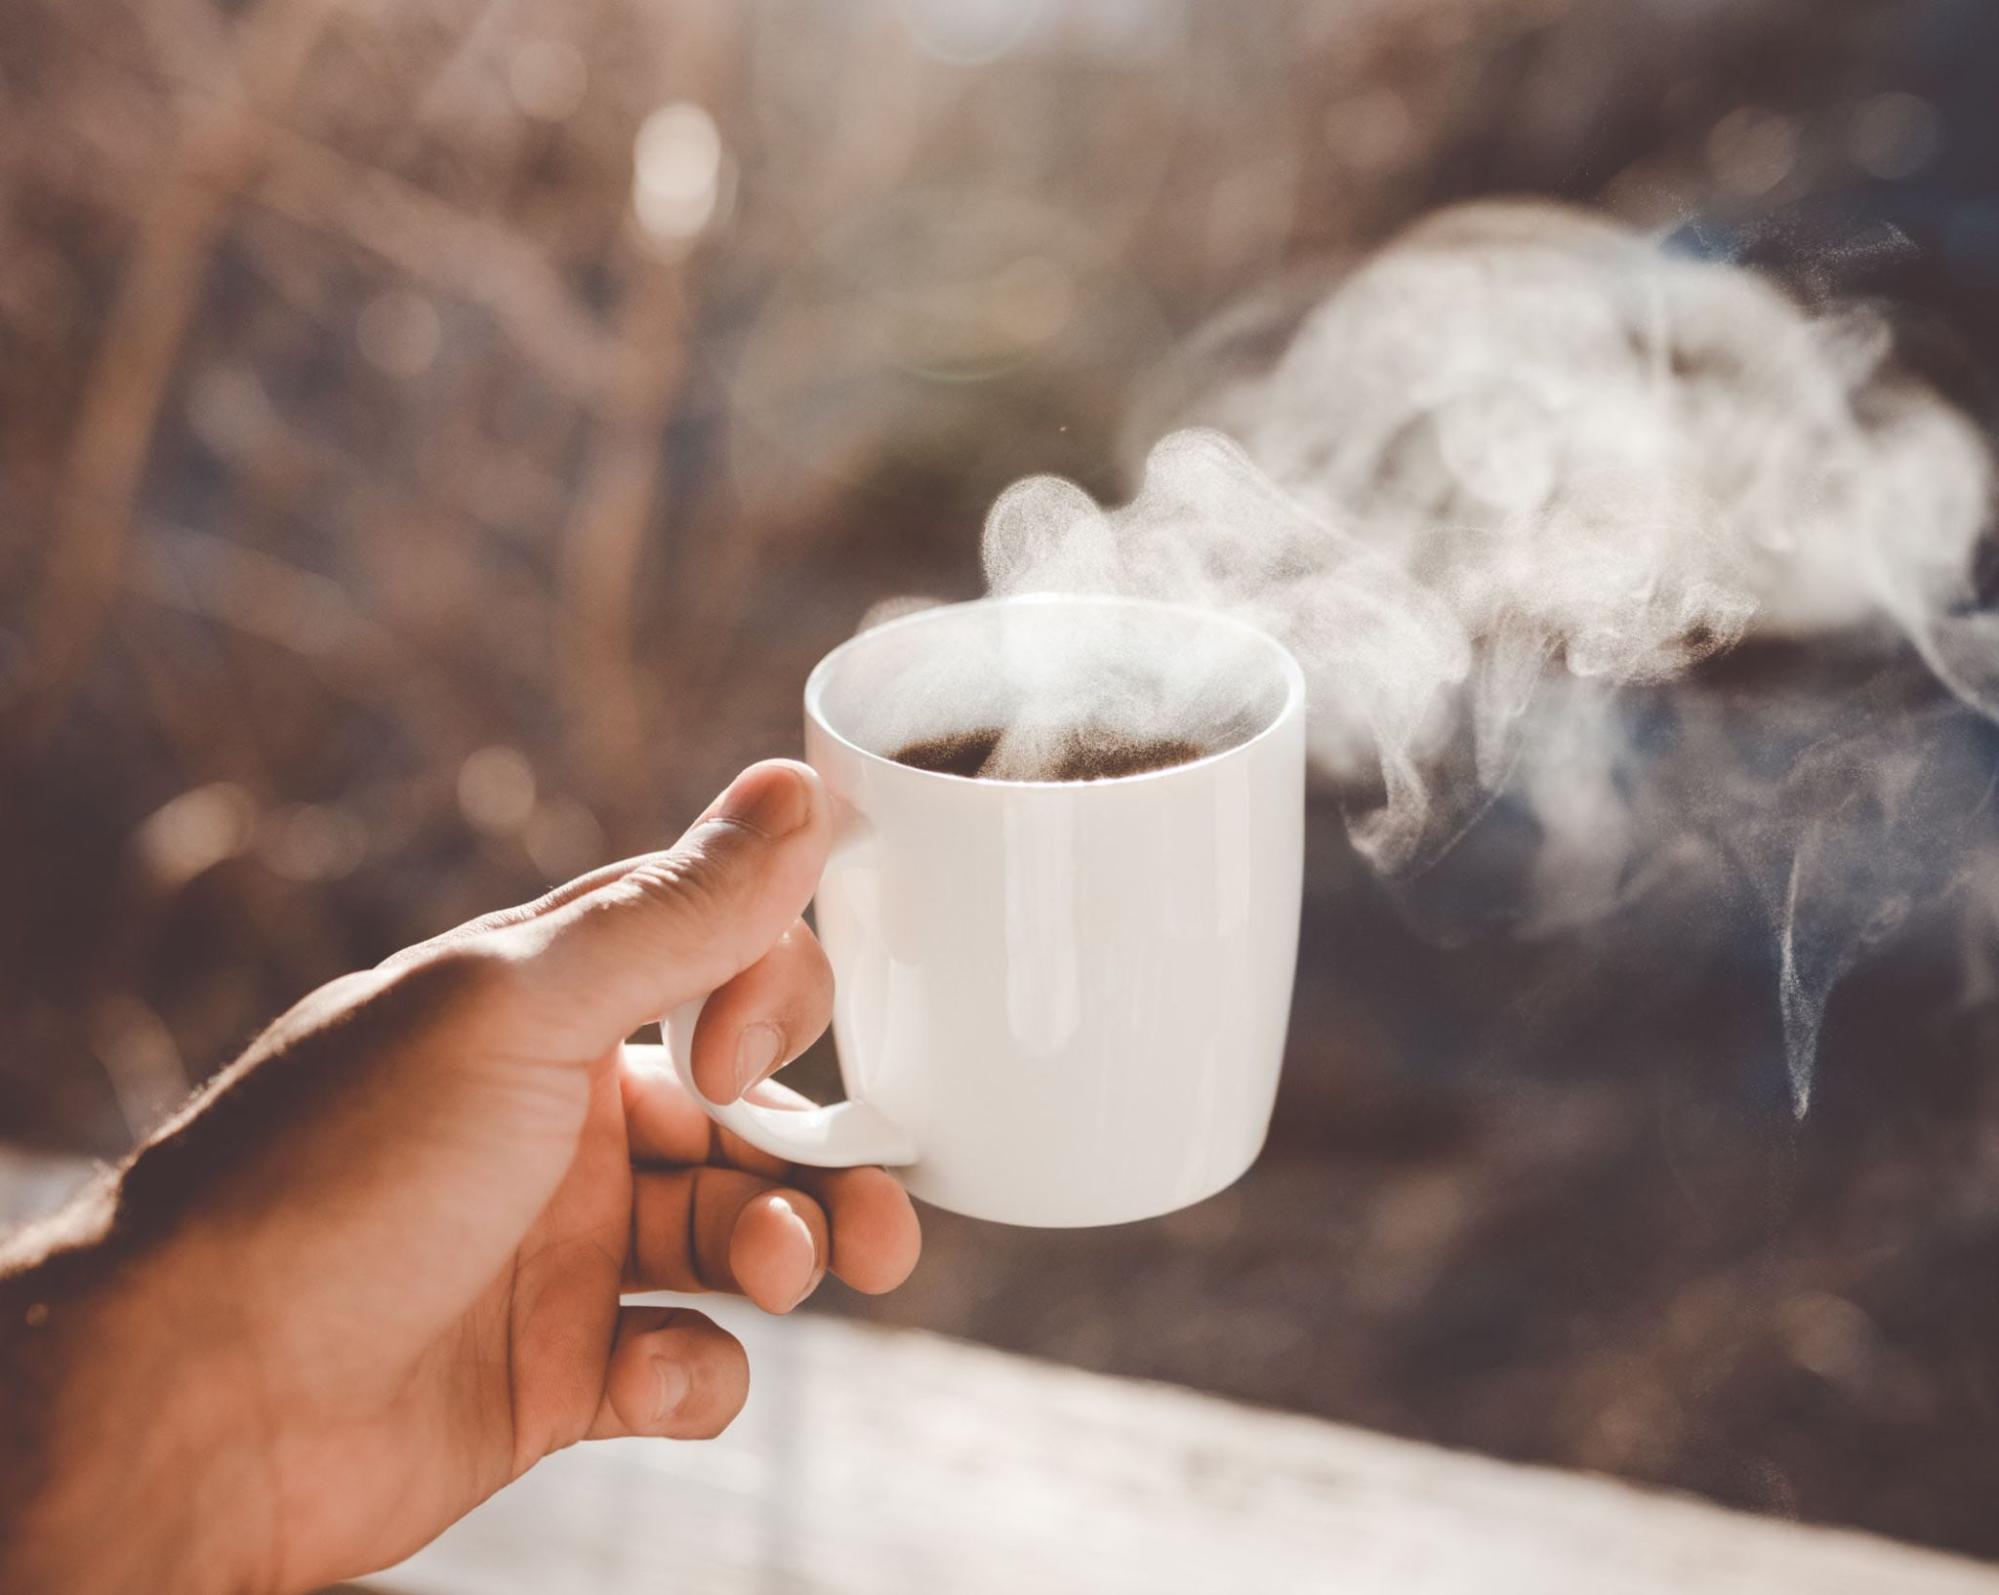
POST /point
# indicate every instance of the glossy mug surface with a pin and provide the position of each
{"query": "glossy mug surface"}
(1056, 1003)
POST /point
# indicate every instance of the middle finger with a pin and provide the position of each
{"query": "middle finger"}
(712, 1228)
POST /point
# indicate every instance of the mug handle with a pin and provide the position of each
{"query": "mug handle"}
(836, 1137)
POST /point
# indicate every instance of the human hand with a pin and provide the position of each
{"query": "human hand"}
(372, 1274)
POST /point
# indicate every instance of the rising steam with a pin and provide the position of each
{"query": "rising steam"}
(1523, 462)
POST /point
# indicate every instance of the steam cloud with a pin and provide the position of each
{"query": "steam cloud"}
(1521, 468)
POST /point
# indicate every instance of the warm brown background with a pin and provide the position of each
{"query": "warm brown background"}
(391, 524)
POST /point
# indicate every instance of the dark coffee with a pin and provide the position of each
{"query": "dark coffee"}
(1080, 756)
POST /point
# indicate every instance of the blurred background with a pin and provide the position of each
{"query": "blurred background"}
(436, 439)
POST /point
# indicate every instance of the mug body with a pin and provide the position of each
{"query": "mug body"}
(1071, 995)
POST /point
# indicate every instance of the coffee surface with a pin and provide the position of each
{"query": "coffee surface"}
(1081, 756)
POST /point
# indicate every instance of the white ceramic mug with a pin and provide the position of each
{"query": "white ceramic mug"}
(1056, 1002)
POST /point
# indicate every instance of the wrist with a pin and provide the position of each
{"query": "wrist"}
(130, 1457)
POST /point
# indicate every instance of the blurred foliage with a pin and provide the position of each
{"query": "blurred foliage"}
(436, 439)
(439, 437)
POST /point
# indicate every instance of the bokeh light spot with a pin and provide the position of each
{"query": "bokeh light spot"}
(563, 839)
(194, 832)
(968, 32)
(312, 842)
(548, 79)
(676, 172)
(1895, 136)
(1372, 131)
(1751, 151)
(496, 790)
(399, 332)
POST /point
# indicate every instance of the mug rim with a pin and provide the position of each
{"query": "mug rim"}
(1287, 665)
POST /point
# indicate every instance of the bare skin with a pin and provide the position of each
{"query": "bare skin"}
(373, 1273)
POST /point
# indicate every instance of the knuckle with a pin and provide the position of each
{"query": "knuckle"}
(698, 883)
(449, 980)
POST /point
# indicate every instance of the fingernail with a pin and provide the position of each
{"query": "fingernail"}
(771, 799)
(757, 1053)
(798, 1242)
(673, 1387)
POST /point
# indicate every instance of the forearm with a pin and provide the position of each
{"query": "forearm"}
(125, 1463)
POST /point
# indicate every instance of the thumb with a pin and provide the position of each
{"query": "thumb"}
(680, 923)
